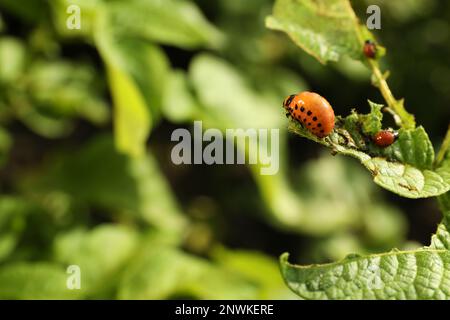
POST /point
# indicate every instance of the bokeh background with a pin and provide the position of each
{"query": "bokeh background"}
(86, 176)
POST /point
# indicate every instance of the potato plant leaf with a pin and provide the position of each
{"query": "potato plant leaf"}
(179, 23)
(403, 168)
(100, 253)
(419, 274)
(137, 74)
(325, 29)
(441, 239)
(34, 281)
(371, 123)
(132, 120)
(160, 272)
(329, 30)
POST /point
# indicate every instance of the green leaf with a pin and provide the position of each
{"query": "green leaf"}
(441, 239)
(371, 123)
(38, 280)
(419, 274)
(126, 186)
(415, 274)
(256, 267)
(172, 22)
(229, 100)
(406, 174)
(12, 223)
(326, 29)
(40, 123)
(131, 117)
(403, 179)
(100, 254)
(412, 147)
(138, 73)
(89, 11)
(185, 107)
(163, 272)
(61, 89)
(12, 59)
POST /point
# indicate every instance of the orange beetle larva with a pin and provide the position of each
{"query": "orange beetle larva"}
(312, 110)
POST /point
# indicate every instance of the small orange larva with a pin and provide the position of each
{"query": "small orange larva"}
(312, 110)
(385, 138)
(370, 49)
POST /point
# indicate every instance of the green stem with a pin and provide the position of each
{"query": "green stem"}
(444, 148)
(382, 84)
(406, 119)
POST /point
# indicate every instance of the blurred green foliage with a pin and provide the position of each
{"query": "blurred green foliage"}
(85, 123)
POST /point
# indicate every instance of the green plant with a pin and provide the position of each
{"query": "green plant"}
(85, 173)
(329, 30)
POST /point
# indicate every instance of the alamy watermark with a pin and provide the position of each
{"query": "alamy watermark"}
(73, 21)
(374, 20)
(253, 146)
(73, 281)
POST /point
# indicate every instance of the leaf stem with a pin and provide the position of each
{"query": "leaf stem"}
(445, 147)
(382, 84)
(406, 119)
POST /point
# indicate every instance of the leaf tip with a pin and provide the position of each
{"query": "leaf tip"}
(284, 258)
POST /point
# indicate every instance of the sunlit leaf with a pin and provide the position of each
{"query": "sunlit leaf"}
(12, 59)
(164, 272)
(132, 119)
(67, 13)
(100, 254)
(183, 107)
(256, 267)
(441, 239)
(173, 22)
(406, 171)
(138, 73)
(38, 280)
(326, 29)
(418, 274)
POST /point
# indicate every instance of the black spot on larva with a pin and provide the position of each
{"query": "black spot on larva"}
(309, 113)
(319, 125)
(296, 107)
(322, 131)
(302, 109)
(304, 119)
(314, 118)
(309, 123)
